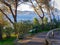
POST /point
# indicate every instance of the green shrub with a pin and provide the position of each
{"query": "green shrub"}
(23, 28)
(8, 31)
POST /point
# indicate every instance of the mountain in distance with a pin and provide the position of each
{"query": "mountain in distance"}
(30, 15)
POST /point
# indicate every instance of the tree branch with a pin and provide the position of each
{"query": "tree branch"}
(6, 16)
(9, 7)
(40, 8)
(35, 9)
(15, 16)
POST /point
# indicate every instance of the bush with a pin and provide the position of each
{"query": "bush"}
(8, 31)
(23, 28)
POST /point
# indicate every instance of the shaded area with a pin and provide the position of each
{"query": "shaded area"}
(38, 39)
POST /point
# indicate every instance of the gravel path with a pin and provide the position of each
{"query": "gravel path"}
(38, 39)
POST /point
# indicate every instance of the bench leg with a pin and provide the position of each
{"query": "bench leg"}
(46, 42)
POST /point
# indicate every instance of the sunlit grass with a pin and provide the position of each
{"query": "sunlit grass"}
(12, 35)
(8, 41)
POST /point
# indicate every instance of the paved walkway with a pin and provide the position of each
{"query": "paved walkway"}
(38, 39)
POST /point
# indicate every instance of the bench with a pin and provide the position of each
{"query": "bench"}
(53, 36)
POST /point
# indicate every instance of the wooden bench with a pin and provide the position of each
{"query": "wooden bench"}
(53, 36)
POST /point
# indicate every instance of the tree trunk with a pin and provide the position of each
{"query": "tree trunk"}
(0, 32)
(15, 17)
(42, 25)
(15, 24)
(15, 28)
(8, 36)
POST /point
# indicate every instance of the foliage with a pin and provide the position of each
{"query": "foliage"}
(56, 22)
(10, 7)
(45, 20)
(47, 25)
(8, 31)
(36, 25)
(36, 21)
(23, 28)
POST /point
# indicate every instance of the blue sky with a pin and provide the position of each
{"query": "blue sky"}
(30, 16)
(27, 7)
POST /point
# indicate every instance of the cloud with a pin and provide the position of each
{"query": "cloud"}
(57, 2)
(25, 7)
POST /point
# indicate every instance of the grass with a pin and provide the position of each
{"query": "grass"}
(10, 41)
(7, 41)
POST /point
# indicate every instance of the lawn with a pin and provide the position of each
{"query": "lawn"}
(10, 41)
(7, 41)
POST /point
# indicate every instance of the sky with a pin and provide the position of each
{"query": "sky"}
(27, 7)
(57, 5)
